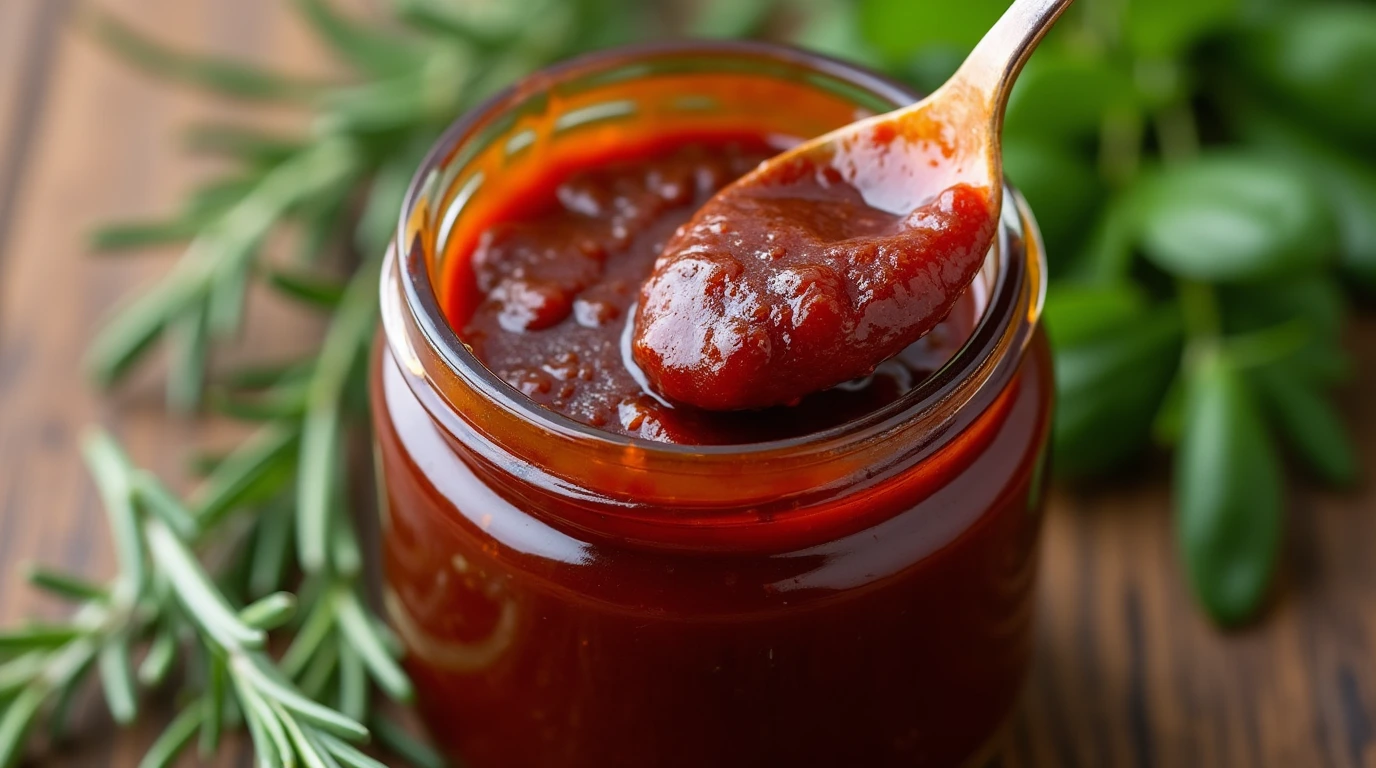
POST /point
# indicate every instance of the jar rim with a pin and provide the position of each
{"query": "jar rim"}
(1018, 285)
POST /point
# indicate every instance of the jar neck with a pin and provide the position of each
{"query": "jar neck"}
(551, 454)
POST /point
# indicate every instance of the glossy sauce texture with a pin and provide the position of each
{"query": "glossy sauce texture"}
(799, 277)
(554, 283)
(537, 645)
(573, 599)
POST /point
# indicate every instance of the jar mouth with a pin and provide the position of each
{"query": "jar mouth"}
(1011, 276)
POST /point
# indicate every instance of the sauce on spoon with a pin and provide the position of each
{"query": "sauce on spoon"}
(836, 255)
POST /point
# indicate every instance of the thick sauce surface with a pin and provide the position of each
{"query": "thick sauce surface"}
(551, 290)
(806, 275)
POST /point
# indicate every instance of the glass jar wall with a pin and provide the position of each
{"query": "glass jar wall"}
(569, 597)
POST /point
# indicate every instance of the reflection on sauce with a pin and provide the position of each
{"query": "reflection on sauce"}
(557, 279)
(807, 274)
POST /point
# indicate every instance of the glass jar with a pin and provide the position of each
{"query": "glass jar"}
(861, 596)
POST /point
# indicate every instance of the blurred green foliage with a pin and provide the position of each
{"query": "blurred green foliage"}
(1202, 170)
(1203, 173)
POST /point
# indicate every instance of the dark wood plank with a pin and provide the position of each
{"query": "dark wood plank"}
(1127, 673)
(28, 32)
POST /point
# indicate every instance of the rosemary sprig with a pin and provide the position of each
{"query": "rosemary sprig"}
(201, 579)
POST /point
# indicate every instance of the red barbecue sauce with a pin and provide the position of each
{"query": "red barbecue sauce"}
(569, 601)
(840, 292)
(793, 282)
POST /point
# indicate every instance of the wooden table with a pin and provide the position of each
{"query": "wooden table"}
(1127, 672)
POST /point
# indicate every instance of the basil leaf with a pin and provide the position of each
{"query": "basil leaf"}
(1321, 58)
(1345, 181)
(1316, 302)
(1229, 217)
(1228, 494)
(1108, 389)
(1309, 423)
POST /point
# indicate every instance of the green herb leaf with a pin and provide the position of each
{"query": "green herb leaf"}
(348, 755)
(144, 234)
(212, 703)
(188, 356)
(1309, 423)
(269, 735)
(174, 739)
(122, 341)
(66, 585)
(457, 21)
(15, 722)
(110, 469)
(346, 339)
(1320, 56)
(39, 636)
(117, 678)
(217, 196)
(398, 741)
(204, 603)
(1315, 303)
(157, 499)
(1347, 182)
(158, 661)
(281, 693)
(1234, 217)
(353, 683)
(356, 625)
(1228, 493)
(255, 469)
(360, 45)
(270, 612)
(247, 145)
(313, 290)
(230, 78)
(271, 547)
(320, 672)
(309, 638)
(1108, 389)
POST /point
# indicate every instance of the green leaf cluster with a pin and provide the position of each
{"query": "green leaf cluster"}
(1203, 176)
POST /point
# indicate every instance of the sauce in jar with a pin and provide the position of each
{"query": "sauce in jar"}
(547, 294)
(585, 575)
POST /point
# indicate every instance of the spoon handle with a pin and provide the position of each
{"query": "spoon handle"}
(996, 61)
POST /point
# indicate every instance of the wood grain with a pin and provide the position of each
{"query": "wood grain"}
(1127, 673)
